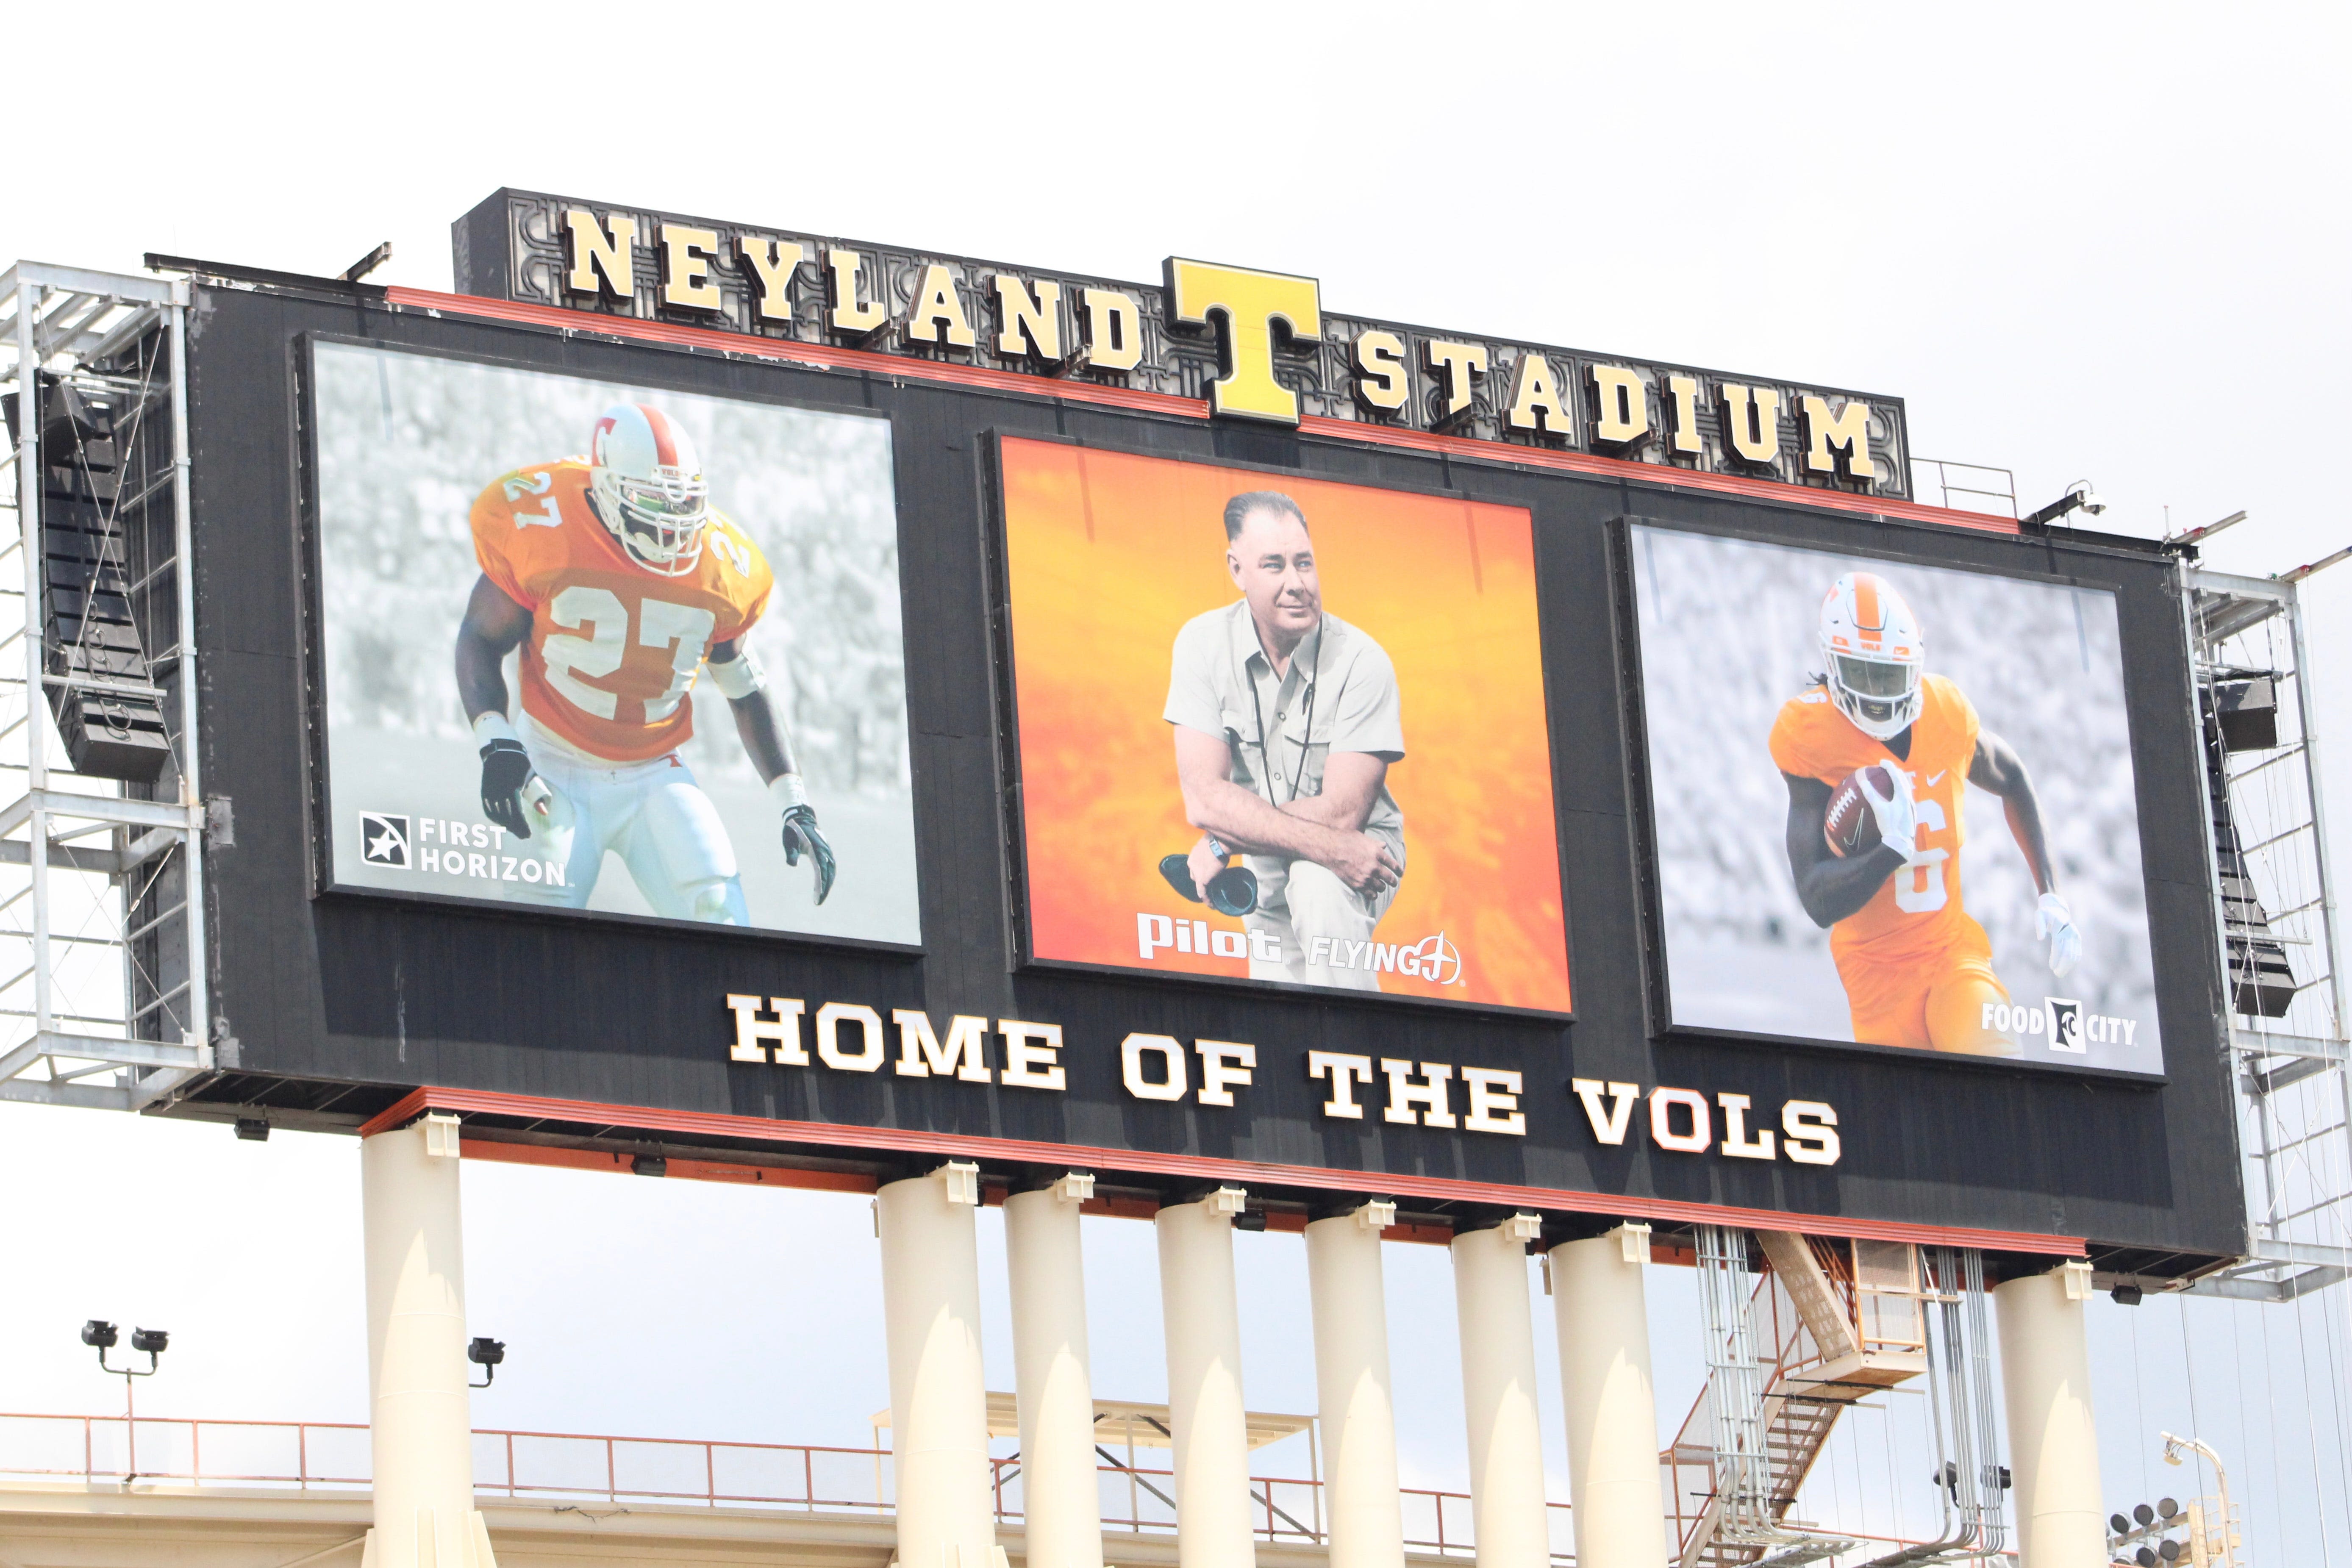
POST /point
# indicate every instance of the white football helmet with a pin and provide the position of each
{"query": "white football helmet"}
(1875, 654)
(647, 482)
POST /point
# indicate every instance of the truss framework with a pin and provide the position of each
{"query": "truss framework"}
(103, 994)
(2277, 927)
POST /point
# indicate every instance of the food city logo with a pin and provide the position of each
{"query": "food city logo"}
(1257, 345)
(2062, 1023)
(393, 841)
(850, 1037)
(1434, 958)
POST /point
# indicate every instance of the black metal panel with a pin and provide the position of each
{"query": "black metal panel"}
(374, 990)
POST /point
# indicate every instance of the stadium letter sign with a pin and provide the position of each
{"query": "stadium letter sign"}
(850, 1037)
(1254, 344)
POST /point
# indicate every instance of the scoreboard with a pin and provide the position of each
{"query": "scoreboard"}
(706, 692)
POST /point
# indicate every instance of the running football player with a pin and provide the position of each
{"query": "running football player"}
(1917, 968)
(619, 583)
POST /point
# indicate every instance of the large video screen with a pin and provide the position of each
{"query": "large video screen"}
(1893, 804)
(612, 650)
(1280, 729)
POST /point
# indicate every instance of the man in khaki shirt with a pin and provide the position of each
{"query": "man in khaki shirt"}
(1287, 721)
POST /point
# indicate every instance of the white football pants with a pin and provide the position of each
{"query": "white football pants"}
(652, 814)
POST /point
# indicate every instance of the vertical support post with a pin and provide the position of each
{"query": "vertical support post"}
(2053, 1444)
(1498, 1394)
(1602, 1319)
(1061, 1505)
(1352, 1382)
(2307, 722)
(1209, 1433)
(420, 1427)
(939, 1398)
(191, 765)
(36, 593)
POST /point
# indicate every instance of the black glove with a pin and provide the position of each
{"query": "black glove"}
(506, 769)
(802, 836)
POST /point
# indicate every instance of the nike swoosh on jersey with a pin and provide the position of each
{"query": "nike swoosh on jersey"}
(1935, 779)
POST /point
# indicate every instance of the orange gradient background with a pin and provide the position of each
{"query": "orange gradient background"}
(1110, 554)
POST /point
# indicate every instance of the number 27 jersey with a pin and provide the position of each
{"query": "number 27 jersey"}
(614, 649)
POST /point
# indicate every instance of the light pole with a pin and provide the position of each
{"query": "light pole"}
(102, 1337)
(2201, 1538)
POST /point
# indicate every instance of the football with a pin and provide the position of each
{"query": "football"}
(1849, 824)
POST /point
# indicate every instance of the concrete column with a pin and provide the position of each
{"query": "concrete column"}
(1351, 1386)
(2053, 1446)
(1204, 1329)
(1061, 1506)
(1613, 1416)
(938, 1397)
(1498, 1394)
(420, 1425)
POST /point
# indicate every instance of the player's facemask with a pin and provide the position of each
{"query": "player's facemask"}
(1881, 696)
(658, 519)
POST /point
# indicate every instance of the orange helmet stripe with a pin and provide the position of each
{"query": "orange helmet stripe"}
(1868, 616)
(665, 444)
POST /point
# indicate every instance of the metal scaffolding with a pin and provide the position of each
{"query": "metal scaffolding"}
(2276, 925)
(103, 994)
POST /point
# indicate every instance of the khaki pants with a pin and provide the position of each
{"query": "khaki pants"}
(1298, 900)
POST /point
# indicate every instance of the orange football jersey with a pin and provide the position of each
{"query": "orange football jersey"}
(1917, 911)
(614, 649)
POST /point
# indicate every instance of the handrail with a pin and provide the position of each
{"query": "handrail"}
(619, 1469)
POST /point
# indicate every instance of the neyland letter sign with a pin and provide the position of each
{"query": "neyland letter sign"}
(1252, 344)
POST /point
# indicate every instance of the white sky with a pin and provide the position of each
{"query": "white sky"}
(2089, 241)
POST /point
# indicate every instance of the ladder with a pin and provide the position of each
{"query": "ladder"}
(2275, 924)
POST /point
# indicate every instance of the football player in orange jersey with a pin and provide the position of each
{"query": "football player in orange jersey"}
(1917, 968)
(619, 583)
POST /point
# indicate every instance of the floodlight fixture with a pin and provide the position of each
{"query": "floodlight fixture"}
(102, 1336)
(2125, 1295)
(487, 1353)
(253, 1129)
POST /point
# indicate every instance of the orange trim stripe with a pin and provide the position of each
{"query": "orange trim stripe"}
(826, 356)
(710, 1124)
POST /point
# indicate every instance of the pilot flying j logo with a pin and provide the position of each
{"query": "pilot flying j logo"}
(1434, 958)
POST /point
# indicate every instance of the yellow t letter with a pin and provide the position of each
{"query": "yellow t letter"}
(1250, 302)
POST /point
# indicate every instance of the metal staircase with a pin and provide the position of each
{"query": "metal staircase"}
(1829, 1324)
(1775, 1387)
